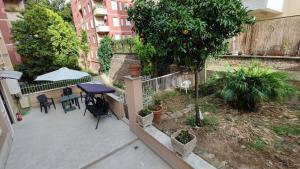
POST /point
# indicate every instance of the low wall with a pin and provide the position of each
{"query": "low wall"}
(115, 103)
(291, 65)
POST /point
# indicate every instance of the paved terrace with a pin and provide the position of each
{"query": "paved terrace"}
(69, 141)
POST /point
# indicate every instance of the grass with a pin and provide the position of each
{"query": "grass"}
(258, 144)
(287, 129)
(210, 122)
(207, 107)
(174, 100)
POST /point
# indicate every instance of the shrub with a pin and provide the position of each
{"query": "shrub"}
(184, 137)
(144, 112)
(247, 87)
(191, 120)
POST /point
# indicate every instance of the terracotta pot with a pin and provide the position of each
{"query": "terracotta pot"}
(134, 70)
(156, 113)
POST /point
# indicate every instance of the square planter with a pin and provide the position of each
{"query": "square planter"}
(183, 150)
(145, 121)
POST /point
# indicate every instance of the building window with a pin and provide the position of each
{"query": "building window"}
(92, 24)
(84, 11)
(89, 7)
(120, 6)
(87, 25)
(116, 22)
(126, 6)
(114, 5)
(128, 23)
(117, 36)
(122, 22)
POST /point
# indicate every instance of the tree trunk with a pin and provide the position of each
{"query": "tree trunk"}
(85, 61)
(198, 120)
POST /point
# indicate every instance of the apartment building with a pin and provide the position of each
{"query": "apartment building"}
(10, 9)
(100, 18)
(271, 9)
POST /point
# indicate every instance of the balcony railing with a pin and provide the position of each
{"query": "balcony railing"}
(271, 6)
(100, 11)
(102, 28)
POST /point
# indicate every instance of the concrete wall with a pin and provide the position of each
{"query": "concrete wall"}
(289, 8)
(5, 135)
(290, 65)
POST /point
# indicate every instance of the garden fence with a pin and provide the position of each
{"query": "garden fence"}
(44, 86)
(156, 85)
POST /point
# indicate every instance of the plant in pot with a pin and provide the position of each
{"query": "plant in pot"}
(145, 118)
(134, 69)
(156, 108)
(183, 142)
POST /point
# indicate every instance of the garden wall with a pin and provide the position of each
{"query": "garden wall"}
(291, 65)
(119, 66)
(275, 37)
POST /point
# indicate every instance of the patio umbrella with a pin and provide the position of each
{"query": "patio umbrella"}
(10, 74)
(62, 74)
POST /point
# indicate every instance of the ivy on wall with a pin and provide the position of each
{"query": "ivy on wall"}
(105, 53)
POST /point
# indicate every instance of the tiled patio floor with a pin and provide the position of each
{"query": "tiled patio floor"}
(69, 141)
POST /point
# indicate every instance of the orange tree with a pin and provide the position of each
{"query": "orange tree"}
(189, 31)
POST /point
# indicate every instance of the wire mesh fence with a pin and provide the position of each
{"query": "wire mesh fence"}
(153, 86)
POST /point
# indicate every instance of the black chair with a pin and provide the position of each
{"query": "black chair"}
(97, 109)
(68, 91)
(45, 102)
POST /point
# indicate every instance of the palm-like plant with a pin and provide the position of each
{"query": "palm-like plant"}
(245, 88)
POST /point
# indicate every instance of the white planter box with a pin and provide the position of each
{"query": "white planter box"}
(145, 121)
(183, 149)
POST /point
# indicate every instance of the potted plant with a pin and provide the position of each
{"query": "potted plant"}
(156, 109)
(144, 118)
(134, 69)
(183, 142)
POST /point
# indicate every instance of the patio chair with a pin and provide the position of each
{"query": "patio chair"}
(45, 102)
(185, 85)
(97, 109)
(68, 91)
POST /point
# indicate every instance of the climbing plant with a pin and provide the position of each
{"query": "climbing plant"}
(105, 53)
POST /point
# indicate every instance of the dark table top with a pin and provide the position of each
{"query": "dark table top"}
(69, 97)
(95, 88)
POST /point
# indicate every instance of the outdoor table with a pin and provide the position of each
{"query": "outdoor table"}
(68, 98)
(92, 89)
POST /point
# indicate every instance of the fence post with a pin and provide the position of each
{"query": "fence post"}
(156, 85)
(134, 98)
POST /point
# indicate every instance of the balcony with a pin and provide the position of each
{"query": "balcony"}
(102, 29)
(100, 11)
(269, 6)
(79, 6)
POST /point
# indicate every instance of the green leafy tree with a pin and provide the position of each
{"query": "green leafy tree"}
(189, 30)
(146, 54)
(105, 53)
(58, 6)
(84, 46)
(44, 41)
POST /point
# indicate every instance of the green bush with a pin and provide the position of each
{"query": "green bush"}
(247, 87)
(191, 120)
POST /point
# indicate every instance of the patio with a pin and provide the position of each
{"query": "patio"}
(69, 141)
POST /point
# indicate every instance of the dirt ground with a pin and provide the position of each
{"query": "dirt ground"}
(267, 139)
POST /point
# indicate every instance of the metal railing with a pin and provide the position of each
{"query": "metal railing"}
(156, 85)
(45, 86)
